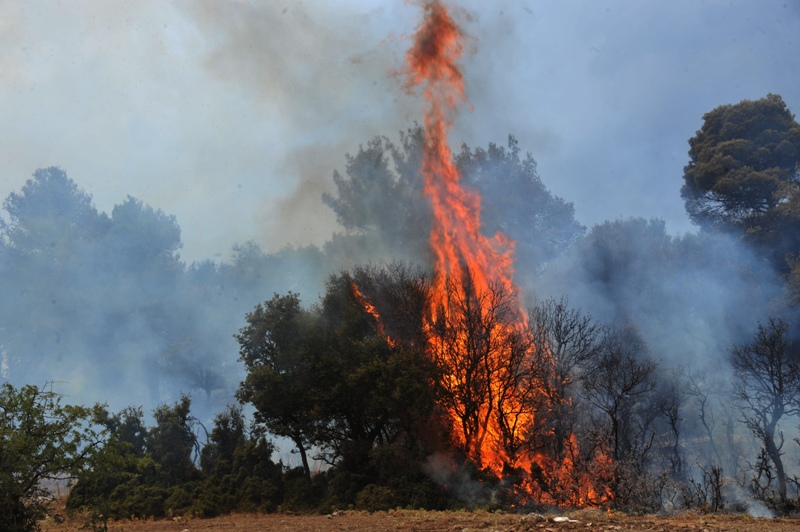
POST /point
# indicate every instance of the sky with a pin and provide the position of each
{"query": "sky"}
(232, 114)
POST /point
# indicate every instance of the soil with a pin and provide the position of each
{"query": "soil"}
(457, 521)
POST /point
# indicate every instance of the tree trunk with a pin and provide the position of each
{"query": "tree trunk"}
(301, 448)
(775, 455)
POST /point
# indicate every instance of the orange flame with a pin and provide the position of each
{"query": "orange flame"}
(465, 260)
(477, 329)
(371, 310)
(456, 239)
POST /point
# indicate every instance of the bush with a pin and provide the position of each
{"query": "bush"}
(179, 502)
(375, 498)
(40, 440)
(300, 494)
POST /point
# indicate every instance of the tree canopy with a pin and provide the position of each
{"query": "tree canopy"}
(380, 203)
(744, 174)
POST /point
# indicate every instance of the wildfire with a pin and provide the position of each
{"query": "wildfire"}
(371, 310)
(456, 239)
(493, 387)
(469, 268)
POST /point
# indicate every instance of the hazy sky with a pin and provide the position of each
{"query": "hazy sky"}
(232, 115)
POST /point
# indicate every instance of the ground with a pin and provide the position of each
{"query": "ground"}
(415, 520)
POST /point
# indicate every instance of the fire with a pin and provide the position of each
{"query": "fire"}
(493, 387)
(473, 274)
(371, 310)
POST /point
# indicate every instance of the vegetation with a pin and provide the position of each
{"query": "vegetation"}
(387, 402)
(41, 441)
(743, 175)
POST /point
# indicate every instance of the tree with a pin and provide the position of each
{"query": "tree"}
(767, 388)
(50, 235)
(379, 201)
(41, 440)
(490, 376)
(618, 383)
(120, 466)
(332, 376)
(671, 401)
(141, 236)
(743, 169)
(570, 338)
(278, 349)
(542, 225)
(51, 216)
(238, 463)
(172, 441)
(378, 381)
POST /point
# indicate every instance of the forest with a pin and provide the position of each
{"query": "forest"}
(652, 372)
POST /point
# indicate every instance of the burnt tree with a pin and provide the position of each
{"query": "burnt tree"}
(767, 389)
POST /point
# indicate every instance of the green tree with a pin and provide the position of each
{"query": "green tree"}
(172, 441)
(41, 440)
(278, 351)
(120, 467)
(238, 464)
(378, 379)
(379, 201)
(743, 172)
(333, 377)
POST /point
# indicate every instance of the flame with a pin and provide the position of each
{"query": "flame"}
(371, 310)
(469, 268)
(456, 239)
(477, 331)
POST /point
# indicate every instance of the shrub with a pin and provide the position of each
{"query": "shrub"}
(375, 498)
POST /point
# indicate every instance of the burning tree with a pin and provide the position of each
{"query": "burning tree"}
(478, 330)
(489, 376)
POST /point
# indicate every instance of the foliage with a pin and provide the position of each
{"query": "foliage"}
(171, 442)
(94, 290)
(542, 225)
(277, 348)
(159, 478)
(41, 441)
(743, 174)
(350, 380)
(380, 203)
(333, 379)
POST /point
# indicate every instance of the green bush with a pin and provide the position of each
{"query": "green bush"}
(258, 495)
(40, 440)
(179, 502)
(211, 501)
(300, 493)
(376, 498)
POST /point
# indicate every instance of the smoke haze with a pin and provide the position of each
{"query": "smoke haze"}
(232, 116)
(227, 113)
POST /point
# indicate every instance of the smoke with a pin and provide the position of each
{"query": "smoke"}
(319, 71)
(692, 296)
(754, 508)
(443, 470)
(233, 115)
